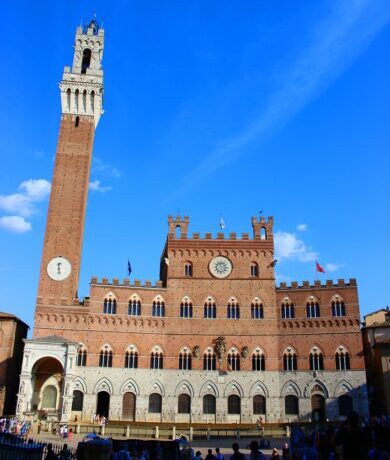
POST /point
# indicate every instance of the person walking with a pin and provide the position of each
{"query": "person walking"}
(275, 454)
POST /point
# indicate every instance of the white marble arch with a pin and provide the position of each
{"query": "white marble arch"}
(156, 387)
(209, 388)
(342, 388)
(80, 384)
(259, 388)
(309, 389)
(233, 388)
(290, 388)
(130, 385)
(104, 384)
(184, 387)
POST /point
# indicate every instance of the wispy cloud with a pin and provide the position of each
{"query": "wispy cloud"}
(100, 166)
(289, 246)
(332, 47)
(331, 267)
(23, 204)
(96, 186)
(302, 227)
(15, 224)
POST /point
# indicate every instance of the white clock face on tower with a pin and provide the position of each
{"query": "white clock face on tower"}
(59, 268)
(220, 267)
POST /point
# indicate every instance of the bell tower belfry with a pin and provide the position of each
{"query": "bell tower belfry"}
(81, 90)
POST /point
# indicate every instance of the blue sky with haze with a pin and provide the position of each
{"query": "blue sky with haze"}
(213, 108)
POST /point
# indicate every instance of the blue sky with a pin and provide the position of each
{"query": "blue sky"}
(213, 108)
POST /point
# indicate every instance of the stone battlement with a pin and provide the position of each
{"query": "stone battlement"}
(317, 284)
(125, 283)
(178, 230)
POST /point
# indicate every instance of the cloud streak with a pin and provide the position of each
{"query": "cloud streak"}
(332, 47)
(22, 205)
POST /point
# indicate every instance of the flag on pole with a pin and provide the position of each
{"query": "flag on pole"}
(319, 269)
(166, 260)
(222, 224)
(128, 267)
(273, 263)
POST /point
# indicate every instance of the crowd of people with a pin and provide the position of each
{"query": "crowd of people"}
(15, 426)
(369, 440)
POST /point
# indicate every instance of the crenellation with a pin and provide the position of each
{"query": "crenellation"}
(104, 280)
(126, 282)
(245, 236)
(329, 283)
(208, 236)
(232, 236)
(220, 236)
(115, 281)
(94, 280)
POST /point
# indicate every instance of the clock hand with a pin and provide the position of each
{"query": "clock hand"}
(59, 268)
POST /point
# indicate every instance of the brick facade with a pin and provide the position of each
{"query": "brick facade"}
(259, 351)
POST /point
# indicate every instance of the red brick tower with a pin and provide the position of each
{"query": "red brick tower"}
(81, 102)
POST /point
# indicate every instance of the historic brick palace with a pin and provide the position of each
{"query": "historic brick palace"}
(213, 340)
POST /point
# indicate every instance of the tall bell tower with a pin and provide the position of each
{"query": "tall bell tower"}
(81, 91)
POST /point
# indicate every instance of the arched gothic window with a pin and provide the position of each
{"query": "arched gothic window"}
(134, 307)
(234, 405)
(316, 360)
(109, 306)
(291, 405)
(209, 361)
(257, 310)
(288, 310)
(254, 270)
(312, 309)
(77, 122)
(210, 309)
(78, 400)
(233, 360)
(343, 362)
(105, 358)
(186, 308)
(131, 359)
(184, 404)
(188, 269)
(289, 360)
(233, 309)
(81, 357)
(338, 308)
(155, 403)
(158, 307)
(86, 60)
(258, 361)
(209, 404)
(259, 404)
(156, 360)
(185, 361)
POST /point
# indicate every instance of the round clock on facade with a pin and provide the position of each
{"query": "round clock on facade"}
(59, 268)
(220, 267)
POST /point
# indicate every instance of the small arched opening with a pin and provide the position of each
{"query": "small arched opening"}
(103, 404)
(47, 381)
(129, 406)
(87, 53)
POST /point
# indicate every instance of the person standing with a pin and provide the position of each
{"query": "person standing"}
(237, 455)
(256, 454)
(218, 455)
(210, 455)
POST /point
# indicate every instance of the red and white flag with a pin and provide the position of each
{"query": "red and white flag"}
(319, 269)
